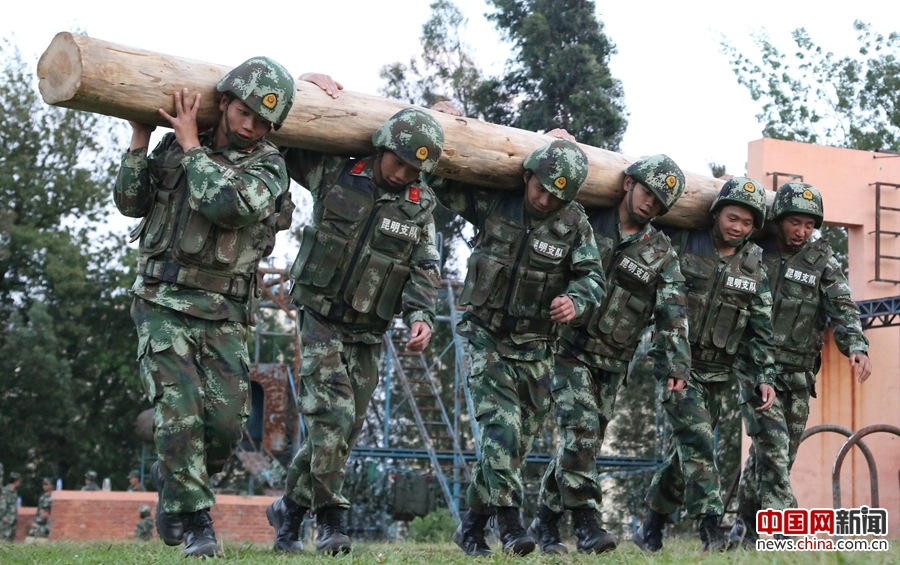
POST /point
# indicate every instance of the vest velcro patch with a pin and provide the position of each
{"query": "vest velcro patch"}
(399, 229)
(741, 284)
(635, 269)
(412, 194)
(548, 249)
(802, 277)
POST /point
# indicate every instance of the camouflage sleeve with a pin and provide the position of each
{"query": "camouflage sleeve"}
(233, 198)
(420, 292)
(587, 287)
(670, 350)
(756, 355)
(471, 202)
(133, 191)
(308, 168)
(842, 310)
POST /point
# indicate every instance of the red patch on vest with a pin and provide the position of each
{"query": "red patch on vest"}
(413, 195)
(646, 236)
(358, 168)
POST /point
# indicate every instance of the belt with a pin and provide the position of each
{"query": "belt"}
(193, 277)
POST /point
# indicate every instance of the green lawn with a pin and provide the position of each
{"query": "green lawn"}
(676, 552)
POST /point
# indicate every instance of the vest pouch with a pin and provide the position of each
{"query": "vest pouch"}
(528, 291)
(725, 326)
(803, 326)
(389, 303)
(630, 324)
(783, 323)
(395, 238)
(344, 208)
(363, 297)
(194, 233)
(556, 285)
(609, 316)
(157, 225)
(499, 237)
(228, 246)
(320, 257)
(480, 282)
(696, 309)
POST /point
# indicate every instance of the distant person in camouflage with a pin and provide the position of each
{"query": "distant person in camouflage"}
(534, 267)
(368, 255)
(809, 291)
(40, 528)
(211, 203)
(134, 482)
(143, 530)
(90, 481)
(9, 509)
(730, 322)
(644, 281)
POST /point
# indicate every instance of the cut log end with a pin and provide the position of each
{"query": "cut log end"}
(59, 69)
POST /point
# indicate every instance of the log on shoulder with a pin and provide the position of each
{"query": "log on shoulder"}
(92, 75)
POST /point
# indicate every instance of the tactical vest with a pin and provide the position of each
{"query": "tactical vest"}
(718, 298)
(797, 319)
(632, 274)
(515, 272)
(180, 245)
(354, 258)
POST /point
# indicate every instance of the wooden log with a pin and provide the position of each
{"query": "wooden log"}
(92, 75)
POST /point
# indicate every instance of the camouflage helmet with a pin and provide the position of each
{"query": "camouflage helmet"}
(144, 510)
(134, 473)
(798, 198)
(745, 192)
(91, 475)
(560, 166)
(263, 85)
(662, 176)
(414, 136)
(13, 477)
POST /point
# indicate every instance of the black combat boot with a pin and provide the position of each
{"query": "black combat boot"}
(713, 537)
(199, 537)
(649, 536)
(333, 536)
(591, 537)
(168, 526)
(469, 535)
(742, 535)
(286, 516)
(514, 537)
(545, 529)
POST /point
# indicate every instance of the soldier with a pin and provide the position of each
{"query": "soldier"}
(143, 530)
(9, 510)
(210, 204)
(730, 320)
(40, 528)
(644, 281)
(90, 481)
(368, 254)
(534, 267)
(134, 482)
(810, 289)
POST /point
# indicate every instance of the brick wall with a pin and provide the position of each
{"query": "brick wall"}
(25, 518)
(78, 515)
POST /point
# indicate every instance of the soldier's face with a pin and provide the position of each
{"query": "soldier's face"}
(735, 222)
(796, 229)
(395, 171)
(645, 204)
(539, 197)
(245, 123)
(48, 487)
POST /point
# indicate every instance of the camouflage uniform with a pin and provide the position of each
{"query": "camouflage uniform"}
(730, 311)
(91, 485)
(143, 530)
(368, 254)
(40, 528)
(810, 289)
(644, 280)
(208, 216)
(9, 514)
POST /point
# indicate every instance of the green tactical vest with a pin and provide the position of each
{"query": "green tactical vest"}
(180, 245)
(515, 272)
(632, 274)
(354, 258)
(797, 319)
(718, 300)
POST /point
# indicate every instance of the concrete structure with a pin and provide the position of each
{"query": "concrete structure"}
(846, 179)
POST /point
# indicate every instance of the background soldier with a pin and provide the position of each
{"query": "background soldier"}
(90, 481)
(730, 321)
(368, 254)
(644, 281)
(134, 482)
(209, 203)
(40, 528)
(9, 510)
(143, 530)
(534, 265)
(809, 289)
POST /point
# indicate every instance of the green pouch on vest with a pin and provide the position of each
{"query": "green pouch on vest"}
(630, 326)
(194, 233)
(726, 326)
(783, 323)
(480, 281)
(803, 326)
(363, 299)
(389, 301)
(319, 257)
(227, 246)
(528, 291)
(157, 224)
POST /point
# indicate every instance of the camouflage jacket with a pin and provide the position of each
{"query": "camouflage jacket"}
(44, 502)
(644, 280)
(208, 217)
(809, 290)
(520, 263)
(729, 309)
(8, 507)
(369, 253)
(143, 530)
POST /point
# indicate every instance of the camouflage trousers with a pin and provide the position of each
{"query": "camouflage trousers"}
(775, 434)
(197, 374)
(8, 529)
(337, 380)
(143, 530)
(512, 399)
(585, 398)
(689, 475)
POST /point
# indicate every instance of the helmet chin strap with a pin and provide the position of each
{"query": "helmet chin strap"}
(634, 217)
(233, 137)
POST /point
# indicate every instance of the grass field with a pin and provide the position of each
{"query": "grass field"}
(676, 552)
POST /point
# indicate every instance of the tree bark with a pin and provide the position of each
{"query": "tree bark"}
(92, 75)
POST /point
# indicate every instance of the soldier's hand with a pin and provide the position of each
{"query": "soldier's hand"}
(185, 121)
(447, 107)
(861, 366)
(331, 87)
(562, 310)
(419, 336)
(140, 134)
(767, 393)
(675, 385)
(560, 133)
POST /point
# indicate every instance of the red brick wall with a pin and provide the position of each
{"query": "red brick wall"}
(78, 515)
(25, 518)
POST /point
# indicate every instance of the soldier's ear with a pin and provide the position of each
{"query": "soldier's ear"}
(527, 176)
(628, 183)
